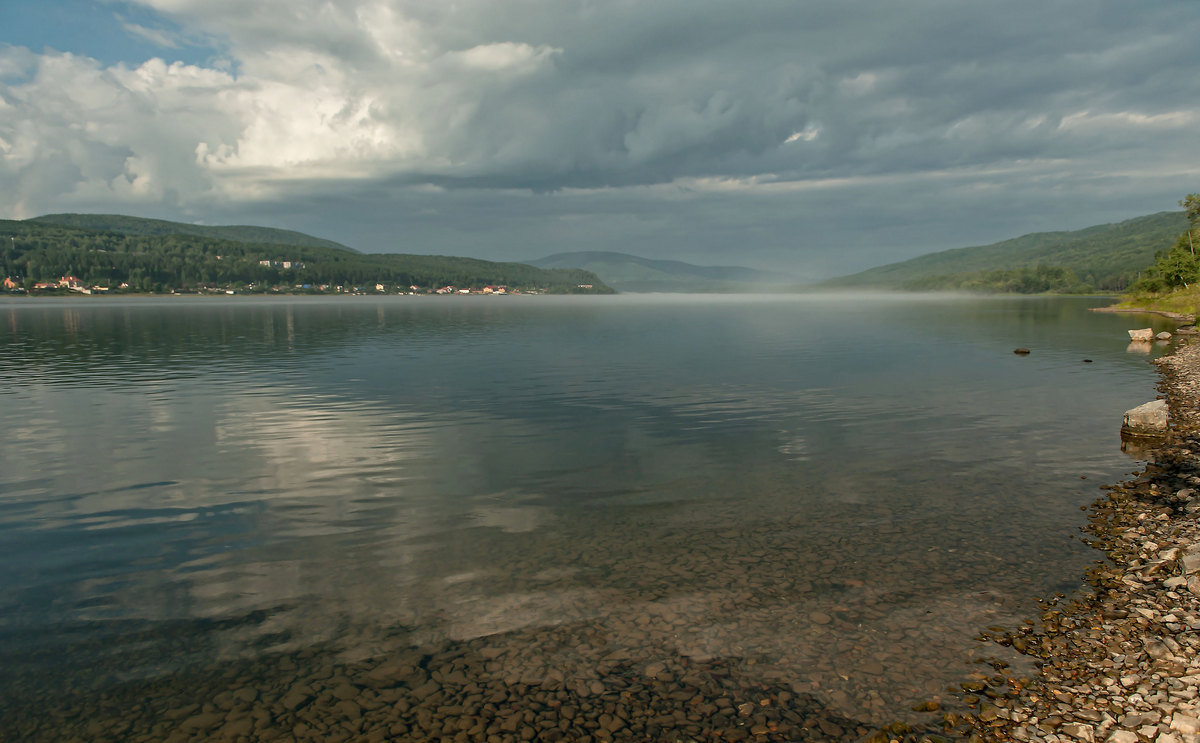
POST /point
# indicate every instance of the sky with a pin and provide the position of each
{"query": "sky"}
(813, 137)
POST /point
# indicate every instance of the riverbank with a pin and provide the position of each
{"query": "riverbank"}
(1181, 303)
(1182, 317)
(1120, 663)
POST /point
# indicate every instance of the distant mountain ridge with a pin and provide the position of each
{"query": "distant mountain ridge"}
(1106, 257)
(632, 273)
(143, 226)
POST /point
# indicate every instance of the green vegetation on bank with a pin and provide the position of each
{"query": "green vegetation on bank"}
(1103, 258)
(147, 257)
(1181, 302)
(1172, 284)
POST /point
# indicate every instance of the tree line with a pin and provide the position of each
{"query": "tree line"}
(33, 252)
(1177, 267)
(1036, 280)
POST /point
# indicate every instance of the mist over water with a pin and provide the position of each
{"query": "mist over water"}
(627, 506)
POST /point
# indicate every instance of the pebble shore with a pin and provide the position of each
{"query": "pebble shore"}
(1121, 662)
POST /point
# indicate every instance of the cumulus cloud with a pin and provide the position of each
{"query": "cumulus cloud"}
(75, 130)
(307, 96)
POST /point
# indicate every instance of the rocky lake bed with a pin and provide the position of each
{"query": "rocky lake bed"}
(1120, 661)
(782, 560)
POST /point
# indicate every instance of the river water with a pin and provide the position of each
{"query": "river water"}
(518, 518)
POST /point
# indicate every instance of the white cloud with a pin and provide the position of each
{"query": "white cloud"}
(1180, 120)
(507, 56)
(807, 134)
(78, 131)
(389, 100)
(154, 36)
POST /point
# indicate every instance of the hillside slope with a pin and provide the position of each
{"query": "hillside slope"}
(141, 226)
(1105, 257)
(35, 251)
(633, 273)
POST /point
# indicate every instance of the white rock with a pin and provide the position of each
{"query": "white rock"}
(1122, 736)
(1142, 334)
(1148, 419)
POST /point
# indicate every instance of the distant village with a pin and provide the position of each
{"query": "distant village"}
(68, 284)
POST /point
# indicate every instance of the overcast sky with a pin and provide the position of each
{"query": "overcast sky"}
(814, 136)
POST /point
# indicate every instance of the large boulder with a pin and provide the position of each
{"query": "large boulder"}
(1149, 419)
(1144, 334)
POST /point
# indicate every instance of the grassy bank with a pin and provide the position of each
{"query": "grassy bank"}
(1185, 301)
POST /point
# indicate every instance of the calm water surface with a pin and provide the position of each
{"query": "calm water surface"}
(534, 518)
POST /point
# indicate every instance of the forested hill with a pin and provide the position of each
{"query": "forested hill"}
(141, 226)
(1105, 257)
(34, 251)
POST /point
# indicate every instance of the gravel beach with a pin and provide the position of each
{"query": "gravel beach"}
(1120, 663)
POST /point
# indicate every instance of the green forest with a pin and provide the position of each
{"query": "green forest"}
(140, 226)
(1175, 267)
(1036, 280)
(1102, 258)
(108, 251)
